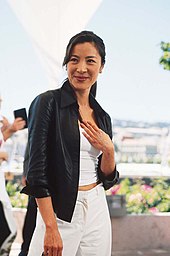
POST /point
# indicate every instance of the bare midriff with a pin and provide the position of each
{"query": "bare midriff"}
(88, 187)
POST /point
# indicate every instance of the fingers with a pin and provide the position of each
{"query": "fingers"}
(93, 134)
(18, 124)
(91, 129)
(53, 244)
(5, 124)
(53, 248)
(89, 125)
(19, 121)
(59, 253)
(98, 138)
(51, 251)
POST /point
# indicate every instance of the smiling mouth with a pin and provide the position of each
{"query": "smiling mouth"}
(81, 78)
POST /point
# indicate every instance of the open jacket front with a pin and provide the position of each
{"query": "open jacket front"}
(54, 148)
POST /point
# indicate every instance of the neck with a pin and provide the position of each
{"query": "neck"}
(83, 99)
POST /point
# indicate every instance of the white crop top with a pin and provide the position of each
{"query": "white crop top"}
(88, 161)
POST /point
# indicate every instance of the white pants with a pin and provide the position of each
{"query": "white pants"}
(88, 234)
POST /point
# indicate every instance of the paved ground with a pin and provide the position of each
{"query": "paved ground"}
(16, 249)
(159, 252)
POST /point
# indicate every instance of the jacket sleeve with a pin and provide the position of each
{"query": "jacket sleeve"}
(113, 178)
(109, 180)
(26, 160)
(40, 114)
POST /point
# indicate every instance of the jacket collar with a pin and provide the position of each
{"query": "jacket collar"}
(96, 106)
(68, 98)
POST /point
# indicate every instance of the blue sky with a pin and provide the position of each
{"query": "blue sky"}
(132, 86)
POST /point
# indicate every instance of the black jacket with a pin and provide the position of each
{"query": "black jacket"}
(54, 143)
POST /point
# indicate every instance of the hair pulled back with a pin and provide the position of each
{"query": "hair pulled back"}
(84, 37)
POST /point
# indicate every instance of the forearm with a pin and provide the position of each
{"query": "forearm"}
(18, 124)
(108, 161)
(47, 212)
(7, 133)
(53, 244)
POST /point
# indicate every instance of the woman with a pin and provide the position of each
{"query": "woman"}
(72, 158)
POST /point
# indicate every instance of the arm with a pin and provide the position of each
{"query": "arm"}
(3, 156)
(25, 165)
(18, 124)
(108, 160)
(52, 240)
(5, 123)
(40, 115)
(26, 161)
(99, 139)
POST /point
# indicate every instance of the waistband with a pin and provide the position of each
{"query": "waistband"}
(90, 194)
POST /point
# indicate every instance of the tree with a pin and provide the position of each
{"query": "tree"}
(165, 59)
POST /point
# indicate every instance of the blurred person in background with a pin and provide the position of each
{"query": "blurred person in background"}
(8, 229)
(7, 224)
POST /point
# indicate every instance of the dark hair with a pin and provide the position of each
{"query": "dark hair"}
(83, 37)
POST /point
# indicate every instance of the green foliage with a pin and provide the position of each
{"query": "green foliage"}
(143, 196)
(165, 59)
(17, 200)
(12, 188)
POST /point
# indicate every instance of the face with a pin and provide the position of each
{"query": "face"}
(84, 66)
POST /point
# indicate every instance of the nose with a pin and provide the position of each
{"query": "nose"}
(82, 67)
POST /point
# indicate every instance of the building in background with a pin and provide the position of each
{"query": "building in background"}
(142, 142)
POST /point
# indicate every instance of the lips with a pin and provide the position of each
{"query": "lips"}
(81, 78)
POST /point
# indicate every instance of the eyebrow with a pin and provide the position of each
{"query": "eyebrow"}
(87, 57)
(91, 57)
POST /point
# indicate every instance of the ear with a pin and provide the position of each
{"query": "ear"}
(101, 69)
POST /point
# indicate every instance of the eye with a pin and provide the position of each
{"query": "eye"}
(91, 61)
(73, 59)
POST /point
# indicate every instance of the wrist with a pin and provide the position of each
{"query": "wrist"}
(11, 129)
(51, 225)
(108, 150)
(51, 222)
